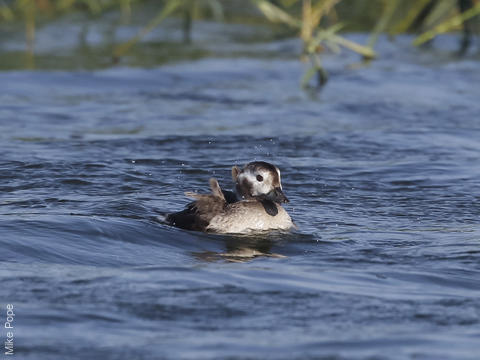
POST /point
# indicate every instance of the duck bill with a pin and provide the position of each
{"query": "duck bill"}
(277, 196)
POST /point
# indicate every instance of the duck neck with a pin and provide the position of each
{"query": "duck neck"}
(241, 194)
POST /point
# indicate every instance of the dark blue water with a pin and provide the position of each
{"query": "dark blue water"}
(381, 168)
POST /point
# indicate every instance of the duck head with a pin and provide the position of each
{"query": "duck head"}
(258, 180)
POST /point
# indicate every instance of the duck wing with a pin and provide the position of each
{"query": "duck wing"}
(197, 214)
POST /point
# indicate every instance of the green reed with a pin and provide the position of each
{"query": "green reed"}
(187, 9)
(318, 23)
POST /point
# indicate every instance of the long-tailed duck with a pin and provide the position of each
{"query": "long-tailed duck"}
(254, 206)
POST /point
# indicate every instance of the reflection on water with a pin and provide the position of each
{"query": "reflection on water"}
(243, 248)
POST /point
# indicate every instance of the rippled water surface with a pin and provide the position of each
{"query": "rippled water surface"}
(382, 172)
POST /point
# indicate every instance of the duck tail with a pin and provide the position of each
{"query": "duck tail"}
(216, 190)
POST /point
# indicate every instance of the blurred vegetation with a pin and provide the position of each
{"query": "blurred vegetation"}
(318, 23)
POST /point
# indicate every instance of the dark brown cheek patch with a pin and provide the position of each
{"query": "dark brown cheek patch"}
(276, 179)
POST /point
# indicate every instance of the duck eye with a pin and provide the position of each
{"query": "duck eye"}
(259, 178)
